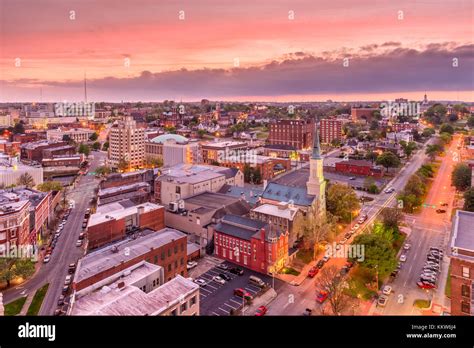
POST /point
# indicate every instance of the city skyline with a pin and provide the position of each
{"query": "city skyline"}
(283, 51)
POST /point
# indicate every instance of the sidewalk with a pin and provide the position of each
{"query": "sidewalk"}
(28, 301)
(296, 280)
(263, 300)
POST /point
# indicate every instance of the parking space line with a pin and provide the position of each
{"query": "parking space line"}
(228, 305)
(202, 289)
(239, 303)
(212, 271)
(253, 286)
(207, 277)
(212, 286)
(251, 291)
(223, 310)
(215, 314)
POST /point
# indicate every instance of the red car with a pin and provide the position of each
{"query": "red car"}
(261, 311)
(322, 296)
(423, 285)
(242, 293)
(312, 272)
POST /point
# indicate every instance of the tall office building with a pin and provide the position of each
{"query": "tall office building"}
(127, 142)
(295, 133)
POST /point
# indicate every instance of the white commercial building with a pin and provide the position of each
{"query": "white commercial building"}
(127, 142)
(11, 170)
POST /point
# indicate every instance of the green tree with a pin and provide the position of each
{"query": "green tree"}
(342, 201)
(391, 217)
(67, 138)
(123, 165)
(445, 138)
(433, 150)
(103, 170)
(371, 156)
(96, 146)
(427, 132)
(154, 162)
(201, 133)
(11, 268)
(105, 147)
(83, 148)
(446, 128)
(469, 200)
(50, 186)
(408, 147)
(19, 128)
(436, 113)
(379, 254)
(461, 177)
(388, 159)
(470, 122)
(26, 180)
(94, 136)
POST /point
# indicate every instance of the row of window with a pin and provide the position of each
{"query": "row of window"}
(184, 306)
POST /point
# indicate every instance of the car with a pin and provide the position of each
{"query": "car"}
(61, 300)
(344, 270)
(58, 312)
(441, 211)
(261, 311)
(387, 290)
(68, 280)
(428, 279)
(49, 250)
(399, 266)
(348, 235)
(394, 274)
(382, 300)
(47, 258)
(223, 266)
(429, 274)
(326, 258)
(433, 258)
(389, 190)
(356, 226)
(322, 296)
(308, 312)
(191, 264)
(430, 269)
(352, 178)
(200, 282)
(407, 246)
(71, 268)
(403, 258)
(65, 289)
(57, 234)
(425, 285)
(218, 279)
(444, 204)
(312, 272)
(362, 218)
(82, 235)
(237, 270)
(436, 249)
(320, 264)
(225, 277)
(79, 243)
(242, 293)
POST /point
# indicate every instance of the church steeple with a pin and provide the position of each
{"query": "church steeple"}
(316, 146)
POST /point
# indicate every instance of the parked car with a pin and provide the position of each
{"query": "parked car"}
(444, 204)
(320, 264)
(407, 246)
(356, 226)
(65, 289)
(68, 280)
(382, 300)
(71, 268)
(58, 312)
(403, 258)
(425, 285)
(225, 277)
(322, 296)
(389, 190)
(200, 282)
(218, 279)
(394, 274)
(261, 311)
(242, 293)
(223, 266)
(191, 264)
(237, 270)
(352, 178)
(441, 211)
(61, 300)
(47, 258)
(312, 272)
(326, 258)
(348, 235)
(308, 312)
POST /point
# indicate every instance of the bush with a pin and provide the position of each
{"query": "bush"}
(422, 304)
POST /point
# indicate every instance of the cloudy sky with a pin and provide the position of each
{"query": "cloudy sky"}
(276, 50)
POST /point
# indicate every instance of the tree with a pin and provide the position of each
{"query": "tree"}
(388, 159)
(427, 132)
(391, 217)
(461, 177)
(436, 113)
(445, 138)
(371, 156)
(103, 170)
(123, 165)
(50, 186)
(470, 122)
(96, 146)
(83, 148)
(342, 201)
(330, 281)
(94, 136)
(26, 180)
(469, 200)
(379, 255)
(408, 148)
(105, 147)
(19, 128)
(201, 133)
(11, 268)
(446, 128)
(154, 162)
(433, 150)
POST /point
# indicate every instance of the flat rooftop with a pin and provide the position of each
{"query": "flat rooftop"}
(119, 210)
(113, 255)
(462, 238)
(282, 210)
(188, 173)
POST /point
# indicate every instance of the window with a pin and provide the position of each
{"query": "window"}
(182, 261)
(175, 249)
(162, 255)
(169, 267)
(184, 306)
(176, 264)
(465, 308)
(169, 252)
(465, 290)
(174, 312)
(192, 301)
(156, 259)
(182, 247)
(465, 272)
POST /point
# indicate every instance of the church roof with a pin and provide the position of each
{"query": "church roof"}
(283, 193)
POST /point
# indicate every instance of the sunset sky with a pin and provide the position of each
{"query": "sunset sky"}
(280, 58)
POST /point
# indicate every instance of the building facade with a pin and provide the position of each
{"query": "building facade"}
(331, 131)
(126, 142)
(295, 133)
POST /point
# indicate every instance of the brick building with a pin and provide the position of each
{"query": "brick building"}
(362, 114)
(268, 166)
(166, 248)
(359, 167)
(330, 130)
(121, 179)
(462, 264)
(35, 151)
(295, 133)
(14, 222)
(251, 244)
(114, 221)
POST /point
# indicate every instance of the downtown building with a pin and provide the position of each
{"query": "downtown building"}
(295, 133)
(330, 130)
(172, 149)
(126, 142)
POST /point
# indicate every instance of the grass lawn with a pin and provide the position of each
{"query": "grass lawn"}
(306, 256)
(358, 285)
(421, 304)
(289, 270)
(14, 308)
(37, 300)
(447, 289)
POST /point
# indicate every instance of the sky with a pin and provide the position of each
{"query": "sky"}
(266, 50)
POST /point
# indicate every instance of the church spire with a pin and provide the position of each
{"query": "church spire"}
(316, 148)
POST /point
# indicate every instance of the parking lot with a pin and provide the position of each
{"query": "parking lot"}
(219, 299)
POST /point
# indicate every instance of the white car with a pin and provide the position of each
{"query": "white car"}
(387, 290)
(356, 226)
(47, 258)
(382, 301)
(68, 280)
(219, 280)
(79, 243)
(191, 265)
(407, 246)
(200, 282)
(403, 258)
(389, 190)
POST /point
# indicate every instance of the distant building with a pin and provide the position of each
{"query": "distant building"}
(67, 161)
(251, 243)
(11, 170)
(11, 148)
(14, 223)
(268, 167)
(330, 130)
(139, 192)
(127, 142)
(363, 114)
(462, 264)
(360, 167)
(34, 151)
(78, 135)
(122, 179)
(220, 151)
(166, 248)
(182, 181)
(172, 149)
(114, 221)
(406, 136)
(295, 133)
(398, 127)
(282, 151)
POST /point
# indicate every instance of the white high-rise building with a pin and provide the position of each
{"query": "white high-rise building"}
(127, 142)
